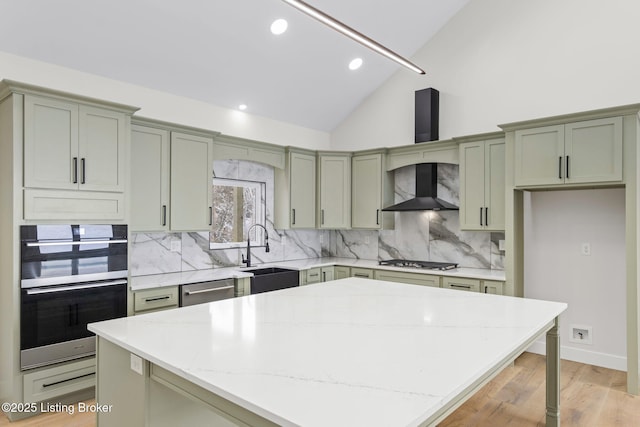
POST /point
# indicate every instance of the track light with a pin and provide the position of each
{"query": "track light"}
(352, 34)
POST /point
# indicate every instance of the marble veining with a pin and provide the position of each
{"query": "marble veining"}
(376, 353)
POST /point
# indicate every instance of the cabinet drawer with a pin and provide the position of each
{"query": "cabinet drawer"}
(155, 299)
(313, 276)
(411, 278)
(49, 383)
(461, 284)
(366, 273)
(72, 205)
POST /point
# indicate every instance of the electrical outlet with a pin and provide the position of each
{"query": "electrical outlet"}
(581, 334)
(176, 246)
(585, 249)
(136, 363)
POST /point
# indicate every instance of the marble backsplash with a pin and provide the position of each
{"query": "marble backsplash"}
(427, 235)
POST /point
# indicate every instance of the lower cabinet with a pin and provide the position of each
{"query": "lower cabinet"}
(317, 275)
(366, 273)
(60, 380)
(155, 299)
(492, 287)
(341, 272)
(411, 278)
(461, 284)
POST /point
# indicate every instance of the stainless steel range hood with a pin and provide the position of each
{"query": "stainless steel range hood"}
(426, 129)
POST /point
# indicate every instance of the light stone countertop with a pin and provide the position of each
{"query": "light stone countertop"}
(172, 279)
(350, 352)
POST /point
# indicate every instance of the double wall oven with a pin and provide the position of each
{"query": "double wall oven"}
(72, 275)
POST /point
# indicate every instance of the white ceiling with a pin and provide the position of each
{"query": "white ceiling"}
(222, 52)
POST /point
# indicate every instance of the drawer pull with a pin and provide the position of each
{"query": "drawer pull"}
(314, 275)
(68, 379)
(204, 291)
(361, 275)
(152, 299)
(453, 285)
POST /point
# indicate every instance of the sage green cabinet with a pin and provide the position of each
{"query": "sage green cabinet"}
(155, 299)
(461, 283)
(341, 272)
(328, 273)
(191, 182)
(492, 287)
(149, 179)
(411, 278)
(71, 146)
(365, 273)
(334, 191)
(482, 185)
(574, 153)
(371, 191)
(295, 191)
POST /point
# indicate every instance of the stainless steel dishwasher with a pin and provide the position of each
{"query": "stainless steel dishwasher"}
(201, 292)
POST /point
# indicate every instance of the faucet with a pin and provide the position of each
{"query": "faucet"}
(266, 243)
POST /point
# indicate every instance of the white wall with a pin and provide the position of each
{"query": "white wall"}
(500, 61)
(557, 223)
(161, 105)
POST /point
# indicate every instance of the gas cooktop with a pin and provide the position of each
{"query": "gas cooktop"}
(429, 265)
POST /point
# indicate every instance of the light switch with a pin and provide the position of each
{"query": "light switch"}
(136, 363)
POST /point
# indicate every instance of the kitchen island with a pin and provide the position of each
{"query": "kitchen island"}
(351, 352)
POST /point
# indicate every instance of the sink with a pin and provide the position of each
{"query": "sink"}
(272, 278)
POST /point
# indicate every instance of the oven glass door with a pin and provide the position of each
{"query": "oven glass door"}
(61, 313)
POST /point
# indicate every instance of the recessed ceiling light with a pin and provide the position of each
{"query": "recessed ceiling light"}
(279, 26)
(355, 64)
(242, 107)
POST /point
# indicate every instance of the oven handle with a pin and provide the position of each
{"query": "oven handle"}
(76, 243)
(202, 291)
(48, 290)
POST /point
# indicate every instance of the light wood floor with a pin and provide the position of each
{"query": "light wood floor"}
(590, 397)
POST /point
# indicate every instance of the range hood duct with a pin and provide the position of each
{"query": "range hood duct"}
(426, 129)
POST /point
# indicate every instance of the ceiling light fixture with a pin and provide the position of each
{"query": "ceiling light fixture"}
(355, 63)
(279, 26)
(352, 34)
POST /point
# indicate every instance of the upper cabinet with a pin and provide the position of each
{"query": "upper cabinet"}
(573, 153)
(371, 191)
(334, 182)
(149, 179)
(73, 146)
(482, 185)
(76, 153)
(295, 198)
(191, 182)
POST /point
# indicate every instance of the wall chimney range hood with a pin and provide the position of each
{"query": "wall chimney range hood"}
(426, 129)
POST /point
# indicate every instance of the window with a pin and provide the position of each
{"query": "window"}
(237, 205)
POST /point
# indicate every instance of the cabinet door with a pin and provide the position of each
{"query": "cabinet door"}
(327, 274)
(101, 147)
(366, 194)
(593, 151)
(303, 190)
(341, 272)
(492, 287)
(494, 185)
(191, 182)
(539, 156)
(366, 273)
(410, 278)
(314, 275)
(50, 143)
(472, 185)
(149, 179)
(335, 192)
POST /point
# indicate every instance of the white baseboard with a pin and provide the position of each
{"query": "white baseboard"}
(584, 356)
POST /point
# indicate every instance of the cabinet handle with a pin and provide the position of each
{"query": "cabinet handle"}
(485, 289)
(83, 165)
(204, 291)
(75, 170)
(481, 224)
(560, 167)
(322, 214)
(164, 215)
(210, 215)
(453, 285)
(324, 276)
(153, 299)
(486, 217)
(377, 216)
(294, 216)
(314, 275)
(68, 379)
(567, 168)
(361, 275)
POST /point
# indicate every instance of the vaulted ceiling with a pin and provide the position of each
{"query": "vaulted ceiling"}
(222, 51)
